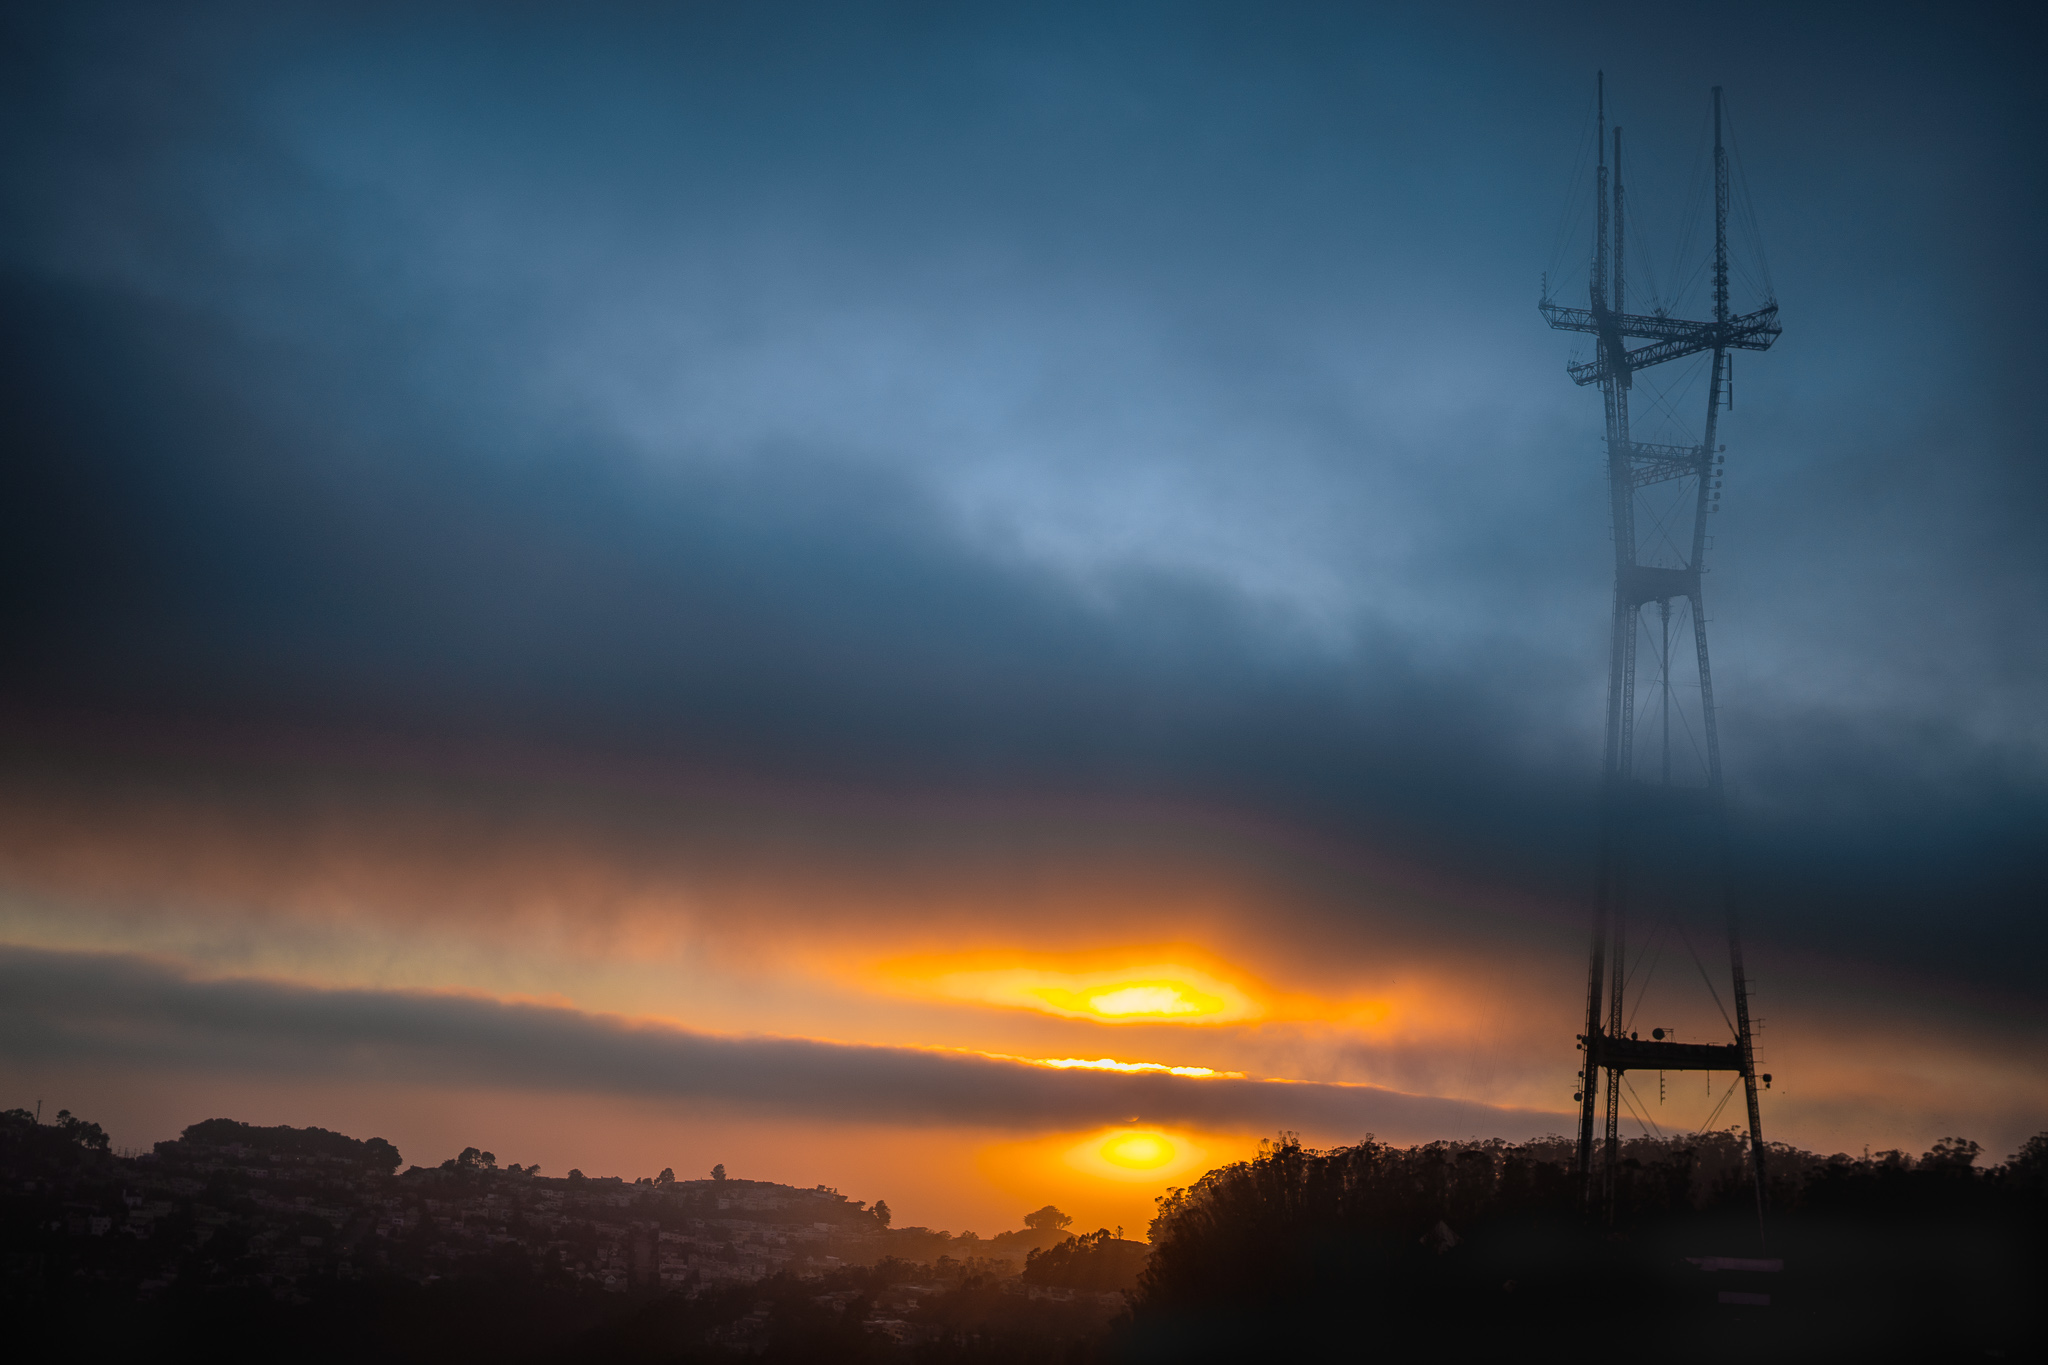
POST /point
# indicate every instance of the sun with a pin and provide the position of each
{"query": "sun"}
(1111, 1174)
(1141, 993)
(1132, 1000)
(1138, 1151)
(1138, 1155)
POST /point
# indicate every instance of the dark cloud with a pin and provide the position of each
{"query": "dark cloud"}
(86, 1009)
(1147, 404)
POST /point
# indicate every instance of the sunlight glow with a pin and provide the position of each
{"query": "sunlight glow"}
(1159, 999)
(1138, 1151)
(1145, 993)
(1082, 1173)
(1137, 1155)
(1111, 1064)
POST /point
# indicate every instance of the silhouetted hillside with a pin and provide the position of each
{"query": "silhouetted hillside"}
(228, 1138)
(236, 1242)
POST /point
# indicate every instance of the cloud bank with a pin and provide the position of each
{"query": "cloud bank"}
(127, 1011)
(964, 401)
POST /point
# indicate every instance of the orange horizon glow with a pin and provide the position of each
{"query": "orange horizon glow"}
(1107, 1177)
(735, 921)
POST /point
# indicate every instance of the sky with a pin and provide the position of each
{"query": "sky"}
(645, 586)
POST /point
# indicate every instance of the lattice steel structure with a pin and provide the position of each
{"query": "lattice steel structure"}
(1660, 496)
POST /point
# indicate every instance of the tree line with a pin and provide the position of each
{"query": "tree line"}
(1478, 1249)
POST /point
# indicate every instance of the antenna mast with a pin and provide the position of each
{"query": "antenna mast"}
(1656, 827)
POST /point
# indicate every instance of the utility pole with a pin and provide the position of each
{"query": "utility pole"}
(1655, 563)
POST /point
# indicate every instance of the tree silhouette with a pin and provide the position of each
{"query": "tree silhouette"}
(1470, 1249)
(87, 1135)
(2027, 1170)
(373, 1154)
(718, 1171)
(1047, 1219)
(1954, 1152)
(1096, 1260)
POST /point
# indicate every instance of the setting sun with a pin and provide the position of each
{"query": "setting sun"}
(1138, 1151)
(1126, 1000)
(1142, 992)
(1137, 1155)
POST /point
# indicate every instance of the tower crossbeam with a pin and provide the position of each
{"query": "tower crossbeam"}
(1749, 332)
(1663, 463)
(1644, 326)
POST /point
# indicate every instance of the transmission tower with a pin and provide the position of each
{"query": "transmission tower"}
(1657, 828)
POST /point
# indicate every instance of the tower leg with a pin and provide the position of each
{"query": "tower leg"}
(1739, 978)
(1744, 1038)
(1589, 1074)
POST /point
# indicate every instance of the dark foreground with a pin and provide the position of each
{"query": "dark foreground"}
(1447, 1251)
